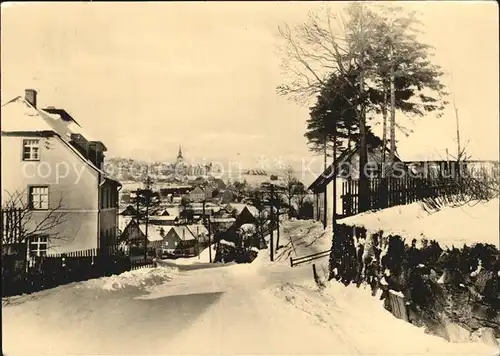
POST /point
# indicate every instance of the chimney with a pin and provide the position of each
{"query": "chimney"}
(30, 96)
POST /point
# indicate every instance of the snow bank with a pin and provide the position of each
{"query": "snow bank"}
(363, 323)
(449, 226)
(203, 258)
(138, 279)
(227, 243)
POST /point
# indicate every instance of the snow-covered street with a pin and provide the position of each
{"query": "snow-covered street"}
(258, 308)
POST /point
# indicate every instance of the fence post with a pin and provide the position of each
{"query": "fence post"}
(291, 262)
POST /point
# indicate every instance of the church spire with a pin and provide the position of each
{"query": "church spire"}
(179, 155)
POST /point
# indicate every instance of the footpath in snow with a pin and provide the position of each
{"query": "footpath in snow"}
(257, 308)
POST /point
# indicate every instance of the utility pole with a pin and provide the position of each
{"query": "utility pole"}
(209, 241)
(271, 225)
(277, 224)
(334, 172)
(204, 217)
(137, 214)
(198, 240)
(148, 197)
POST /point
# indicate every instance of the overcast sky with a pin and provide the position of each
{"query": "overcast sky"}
(148, 77)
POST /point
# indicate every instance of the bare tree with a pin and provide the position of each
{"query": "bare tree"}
(373, 47)
(326, 45)
(301, 195)
(290, 188)
(21, 223)
(466, 185)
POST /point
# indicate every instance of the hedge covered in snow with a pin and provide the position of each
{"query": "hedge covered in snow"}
(440, 286)
(229, 252)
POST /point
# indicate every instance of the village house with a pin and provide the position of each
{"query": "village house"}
(129, 210)
(228, 196)
(180, 239)
(218, 184)
(165, 220)
(199, 231)
(209, 193)
(221, 223)
(347, 168)
(54, 166)
(197, 195)
(174, 191)
(134, 238)
(243, 214)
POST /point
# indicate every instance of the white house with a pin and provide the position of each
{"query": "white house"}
(54, 167)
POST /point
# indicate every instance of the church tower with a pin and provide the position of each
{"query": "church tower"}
(179, 156)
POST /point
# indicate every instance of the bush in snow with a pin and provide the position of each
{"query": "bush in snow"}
(457, 285)
(229, 252)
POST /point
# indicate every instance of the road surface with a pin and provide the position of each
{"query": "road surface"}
(258, 308)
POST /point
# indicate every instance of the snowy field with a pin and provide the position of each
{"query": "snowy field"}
(259, 308)
(450, 226)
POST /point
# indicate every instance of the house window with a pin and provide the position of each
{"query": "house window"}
(31, 150)
(39, 197)
(39, 246)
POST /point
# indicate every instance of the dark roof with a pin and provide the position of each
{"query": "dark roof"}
(65, 116)
(327, 176)
(128, 211)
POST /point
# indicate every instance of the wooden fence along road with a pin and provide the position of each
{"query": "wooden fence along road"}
(21, 275)
(388, 192)
(308, 258)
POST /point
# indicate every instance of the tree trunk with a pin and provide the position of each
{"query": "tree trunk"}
(325, 156)
(393, 116)
(384, 131)
(363, 187)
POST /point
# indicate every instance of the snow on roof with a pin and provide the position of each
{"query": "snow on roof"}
(247, 228)
(22, 116)
(183, 232)
(123, 221)
(163, 218)
(173, 211)
(227, 243)
(19, 115)
(239, 208)
(198, 229)
(153, 232)
(161, 212)
(222, 220)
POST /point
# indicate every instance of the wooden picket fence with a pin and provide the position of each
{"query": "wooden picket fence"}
(11, 225)
(388, 192)
(27, 276)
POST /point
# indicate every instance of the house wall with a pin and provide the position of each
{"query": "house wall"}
(197, 197)
(108, 214)
(171, 240)
(132, 232)
(108, 226)
(321, 206)
(72, 185)
(329, 201)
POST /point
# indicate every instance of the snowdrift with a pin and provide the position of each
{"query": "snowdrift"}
(139, 279)
(362, 322)
(204, 257)
(450, 226)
